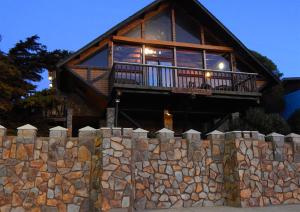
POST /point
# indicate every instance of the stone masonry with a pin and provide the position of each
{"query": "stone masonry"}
(114, 168)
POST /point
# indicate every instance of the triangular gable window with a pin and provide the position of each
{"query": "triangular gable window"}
(159, 27)
(211, 39)
(136, 32)
(187, 29)
(99, 59)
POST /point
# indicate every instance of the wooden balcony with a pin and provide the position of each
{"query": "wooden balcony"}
(182, 80)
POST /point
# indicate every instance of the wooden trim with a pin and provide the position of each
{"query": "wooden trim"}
(129, 27)
(172, 44)
(202, 34)
(156, 12)
(110, 53)
(173, 25)
(88, 52)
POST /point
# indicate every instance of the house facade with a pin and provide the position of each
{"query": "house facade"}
(171, 64)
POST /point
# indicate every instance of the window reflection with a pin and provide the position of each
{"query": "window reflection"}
(159, 27)
(218, 61)
(187, 30)
(99, 59)
(127, 53)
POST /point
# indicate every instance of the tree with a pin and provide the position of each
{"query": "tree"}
(273, 97)
(19, 68)
(268, 63)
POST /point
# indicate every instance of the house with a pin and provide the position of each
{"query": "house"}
(292, 96)
(171, 64)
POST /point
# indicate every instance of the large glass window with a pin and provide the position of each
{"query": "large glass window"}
(186, 58)
(187, 29)
(135, 32)
(127, 53)
(211, 39)
(218, 61)
(99, 59)
(159, 27)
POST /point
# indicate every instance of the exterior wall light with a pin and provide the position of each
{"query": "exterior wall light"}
(208, 74)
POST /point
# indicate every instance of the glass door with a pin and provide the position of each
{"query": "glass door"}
(159, 73)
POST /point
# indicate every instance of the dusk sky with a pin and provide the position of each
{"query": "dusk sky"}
(271, 27)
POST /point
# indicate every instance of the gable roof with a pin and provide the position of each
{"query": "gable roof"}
(197, 8)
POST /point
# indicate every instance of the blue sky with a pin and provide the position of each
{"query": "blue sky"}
(271, 27)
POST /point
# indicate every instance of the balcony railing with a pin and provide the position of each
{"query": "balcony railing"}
(181, 80)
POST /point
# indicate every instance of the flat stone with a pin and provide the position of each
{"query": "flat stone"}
(73, 208)
(117, 146)
(84, 154)
(125, 202)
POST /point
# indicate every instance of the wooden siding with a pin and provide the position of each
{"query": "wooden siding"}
(98, 78)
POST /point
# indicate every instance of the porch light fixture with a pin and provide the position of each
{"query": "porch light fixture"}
(50, 85)
(168, 113)
(50, 78)
(208, 74)
(221, 66)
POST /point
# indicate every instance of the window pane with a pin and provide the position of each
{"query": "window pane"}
(159, 27)
(191, 59)
(126, 53)
(99, 59)
(160, 53)
(211, 39)
(135, 32)
(187, 30)
(218, 61)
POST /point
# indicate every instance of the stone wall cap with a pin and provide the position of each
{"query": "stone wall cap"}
(27, 127)
(215, 132)
(87, 128)
(58, 128)
(165, 130)
(140, 130)
(1, 127)
(274, 134)
(293, 135)
(191, 131)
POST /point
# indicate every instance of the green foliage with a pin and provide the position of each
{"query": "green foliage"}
(266, 123)
(294, 122)
(22, 66)
(273, 99)
(12, 86)
(43, 99)
(256, 119)
(268, 63)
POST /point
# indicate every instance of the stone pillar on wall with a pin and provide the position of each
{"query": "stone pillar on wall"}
(110, 117)
(116, 179)
(295, 140)
(25, 142)
(139, 163)
(231, 174)
(89, 162)
(217, 141)
(193, 138)
(278, 145)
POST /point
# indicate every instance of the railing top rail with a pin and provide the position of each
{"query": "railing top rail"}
(183, 68)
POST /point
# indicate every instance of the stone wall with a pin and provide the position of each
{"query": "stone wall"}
(46, 174)
(114, 168)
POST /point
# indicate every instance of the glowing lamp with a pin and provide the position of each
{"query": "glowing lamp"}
(208, 74)
(221, 66)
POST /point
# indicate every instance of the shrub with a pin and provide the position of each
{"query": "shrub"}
(256, 119)
(294, 122)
